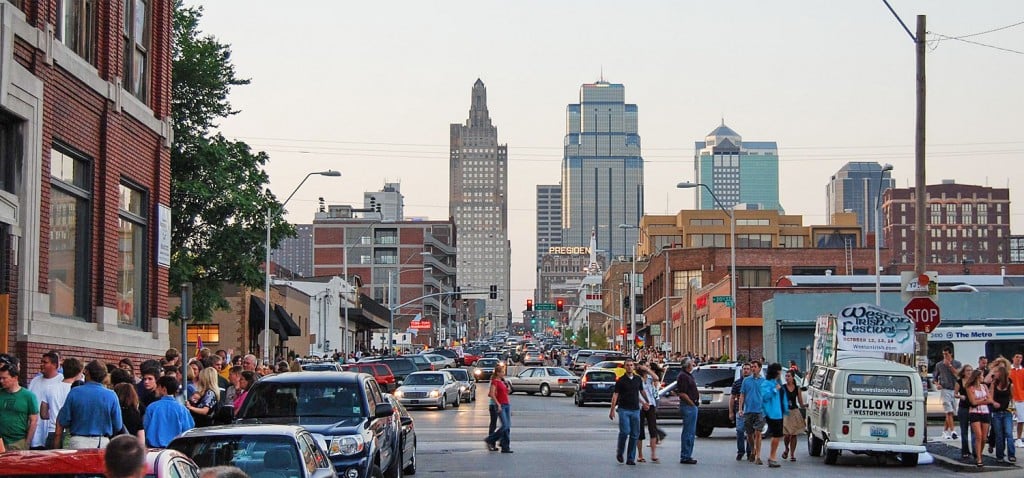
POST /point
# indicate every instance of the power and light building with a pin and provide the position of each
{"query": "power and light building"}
(739, 172)
(478, 204)
(602, 170)
(857, 187)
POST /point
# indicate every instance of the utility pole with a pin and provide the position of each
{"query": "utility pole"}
(919, 168)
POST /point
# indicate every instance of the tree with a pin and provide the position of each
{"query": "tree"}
(218, 186)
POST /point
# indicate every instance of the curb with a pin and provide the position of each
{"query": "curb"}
(941, 451)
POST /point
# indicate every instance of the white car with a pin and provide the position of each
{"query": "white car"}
(430, 389)
(440, 361)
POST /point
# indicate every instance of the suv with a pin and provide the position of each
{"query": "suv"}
(714, 382)
(400, 367)
(595, 386)
(380, 371)
(450, 354)
(346, 412)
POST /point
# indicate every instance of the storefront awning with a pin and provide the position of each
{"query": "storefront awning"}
(257, 319)
(289, 325)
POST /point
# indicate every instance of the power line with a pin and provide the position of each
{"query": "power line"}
(1008, 50)
(989, 31)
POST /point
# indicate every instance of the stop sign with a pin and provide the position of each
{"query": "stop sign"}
(924, 312)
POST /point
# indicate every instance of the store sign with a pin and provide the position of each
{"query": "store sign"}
(421, 325)
(569, 251)
(868, 328)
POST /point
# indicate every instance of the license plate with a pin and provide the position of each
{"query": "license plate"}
(705, 397)
(600, 385)
(415, 401)
(880, 432)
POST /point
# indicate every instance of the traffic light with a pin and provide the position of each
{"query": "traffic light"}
(529, 305)
(559, 304)
(622, 332)
(552, 322)
(458, 292)
(533, 321)
(494, 292)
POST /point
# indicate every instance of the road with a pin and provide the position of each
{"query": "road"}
(553, 437)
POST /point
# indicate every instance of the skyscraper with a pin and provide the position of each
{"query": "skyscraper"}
(549, 218)
(738, 172)
(857, 187)
(389, 202)
(602, 170)
(478, 203)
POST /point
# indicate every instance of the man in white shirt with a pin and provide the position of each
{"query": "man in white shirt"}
(44, 386)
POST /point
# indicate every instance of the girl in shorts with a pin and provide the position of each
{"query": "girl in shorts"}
(978, 394)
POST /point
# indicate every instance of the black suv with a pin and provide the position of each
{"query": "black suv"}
(401, 367)
(355, 423)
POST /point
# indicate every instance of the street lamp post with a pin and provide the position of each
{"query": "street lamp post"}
(266, 264)
(732, 256)
(393, 277)
(632, 291)
(344, 265)
(878, 265)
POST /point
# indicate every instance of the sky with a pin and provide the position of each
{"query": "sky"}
(370, 88)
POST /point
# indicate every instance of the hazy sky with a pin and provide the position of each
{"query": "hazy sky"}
(369, 88)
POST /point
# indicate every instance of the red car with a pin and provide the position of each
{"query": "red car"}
(89, 463)
(380, 371)
(469, 359)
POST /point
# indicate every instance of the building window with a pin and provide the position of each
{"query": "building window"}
(754, 277)
(69, 233)
(707, 222)
(790, 242)
(131, 272)
(76, 26)
(136, 37)
(10, 154)
(936, 215)
(707, 240)
(982, 213)
(950, 213)
(967, 214)
(681, 280)
(754, 240)
(210, 333)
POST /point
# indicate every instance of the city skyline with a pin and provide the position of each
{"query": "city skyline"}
(381, 112)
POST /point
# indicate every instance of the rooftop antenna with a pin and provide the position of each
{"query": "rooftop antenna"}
(601, 80)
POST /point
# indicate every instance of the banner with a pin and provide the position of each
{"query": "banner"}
(868, 328)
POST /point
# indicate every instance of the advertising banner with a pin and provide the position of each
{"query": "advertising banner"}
(869, 328)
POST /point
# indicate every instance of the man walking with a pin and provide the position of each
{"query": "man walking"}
(627, 397)
(166, 418)
(1017, 395)
(91, 412)
(19, 409)
(945, 380)
(743, 445)
(752, 410)
(689, 397)
(45, 385)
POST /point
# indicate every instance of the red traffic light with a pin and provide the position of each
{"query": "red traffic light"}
(529, 304)
(559, 304)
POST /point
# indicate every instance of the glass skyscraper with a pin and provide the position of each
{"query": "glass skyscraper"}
(738, 172)
(856, 187)
(602, 171)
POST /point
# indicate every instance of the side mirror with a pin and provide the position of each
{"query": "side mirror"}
(406, 421)
(383, 410)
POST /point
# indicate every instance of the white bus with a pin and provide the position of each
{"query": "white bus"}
(973, 341)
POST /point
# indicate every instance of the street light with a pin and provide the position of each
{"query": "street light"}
(632, 290)
(266, 265)
(878, 265)
(732, 254)
(344, 265)
(391, 299)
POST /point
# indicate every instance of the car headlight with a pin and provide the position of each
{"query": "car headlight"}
(435, 393)
(464, 388)
(398, 394)
(347, 445)
(476, 372)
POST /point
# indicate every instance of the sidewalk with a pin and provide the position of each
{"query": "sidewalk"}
(947, 455)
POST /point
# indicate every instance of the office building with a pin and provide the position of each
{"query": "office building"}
(478, 203)
(739, 172)
(602, 170)
(857, 187)
(388, 202)
(296, 253)
(549, 218)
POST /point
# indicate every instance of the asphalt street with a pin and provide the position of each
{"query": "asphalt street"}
(553, 437)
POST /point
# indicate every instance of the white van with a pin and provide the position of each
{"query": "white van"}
(865, 405)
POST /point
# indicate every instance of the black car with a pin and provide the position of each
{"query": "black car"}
(401, 367)
(353, 421)
(595, 386)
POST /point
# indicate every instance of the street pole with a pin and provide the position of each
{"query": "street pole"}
(391, 312)
(632, 306)
(732, 276)
(878, 260)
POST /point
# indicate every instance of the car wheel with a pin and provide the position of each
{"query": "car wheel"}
(395, 470)
(444, 404)
(410, 469)
(569, 394)
(545, 390)
(579, 399)
(704, 431)
(458, 400)
(814, 445)
(831, 457)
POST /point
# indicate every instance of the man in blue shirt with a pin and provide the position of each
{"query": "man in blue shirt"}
(752, 410)
(91, 412)
(166, 418)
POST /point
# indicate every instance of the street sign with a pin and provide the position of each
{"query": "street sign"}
(421, 325)
(722, 299)
(544, 306)
(913, 285)
(924, 312)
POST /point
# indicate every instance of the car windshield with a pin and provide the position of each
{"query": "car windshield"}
(460, 374)
(671, 374)
(403, 366)
(303, 399)
(486, 362)
(601, 377)
(559, 372)
(253, 454)
(714, 377)
(424, 379)
(319, 367)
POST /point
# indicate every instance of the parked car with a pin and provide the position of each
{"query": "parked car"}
(345, 411)
(422, 364)
(467, 384)
(407, 436)
(281, 450)
(484, 368)
(380, 372)
(429, 389)
(595, 386)
(439, 362)
(88, 463)
(321, 367)
(544, 380)
(400, 366)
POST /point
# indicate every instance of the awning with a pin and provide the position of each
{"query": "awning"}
(257, 319)
(290, 327)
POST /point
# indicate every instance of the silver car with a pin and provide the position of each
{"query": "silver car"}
(429, 389)
(467, 384)
(544, 380)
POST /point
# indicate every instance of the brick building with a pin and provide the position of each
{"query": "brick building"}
(85, 132)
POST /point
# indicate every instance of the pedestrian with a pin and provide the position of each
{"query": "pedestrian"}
(964, 412)
(978, 395)
(651, 376)
(743, 445)
(165, 418)
(131, 414)
(45, 385)
(626, 397)
(244, 382)
(203, 402)
(774, 408)
(127, 365)
(689, 398)
(793, 421)
(91, 413)
(19, 408)
(1002, 418)
(249, 363)
(222, 472)
(752, 410)
(499, 393)
(125, 458)
(945, 379)
(1017, 394)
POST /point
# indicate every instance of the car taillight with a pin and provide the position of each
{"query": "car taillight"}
(563, 380)
(846, 429)
(911, 432)
(583, 382)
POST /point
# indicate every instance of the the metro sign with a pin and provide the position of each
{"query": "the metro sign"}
(924, 312)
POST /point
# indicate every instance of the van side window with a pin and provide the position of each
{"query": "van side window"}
(829, 376)
(818, 377)
(885, 385)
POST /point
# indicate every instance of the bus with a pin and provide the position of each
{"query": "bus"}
(972, 341)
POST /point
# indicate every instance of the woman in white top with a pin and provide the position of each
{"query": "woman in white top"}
(651, 374)
(980, 398)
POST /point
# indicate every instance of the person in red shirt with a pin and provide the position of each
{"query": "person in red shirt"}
(1017, 395)
(499, 393)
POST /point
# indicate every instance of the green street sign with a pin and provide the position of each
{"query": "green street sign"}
(544, 306)
(722, 299)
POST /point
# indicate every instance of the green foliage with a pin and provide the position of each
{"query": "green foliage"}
(218, 186)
